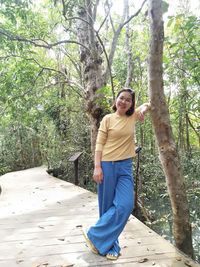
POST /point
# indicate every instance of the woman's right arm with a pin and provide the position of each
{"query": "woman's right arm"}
(98, 174)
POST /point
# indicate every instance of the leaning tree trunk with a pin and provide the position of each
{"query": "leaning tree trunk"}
(167, 149)
(90, 56)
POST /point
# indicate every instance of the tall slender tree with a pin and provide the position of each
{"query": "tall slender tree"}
(161, 122)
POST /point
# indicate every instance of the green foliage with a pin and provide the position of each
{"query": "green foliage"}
(154, 195)
(104, 98)
(183, 46)
(13, 9)
(181, 66)
(43, 119)
(16, 144)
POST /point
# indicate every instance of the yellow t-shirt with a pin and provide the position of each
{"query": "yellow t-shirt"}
(116, 136)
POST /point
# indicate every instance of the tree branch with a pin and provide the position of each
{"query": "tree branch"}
(103, 23)
(67, 80)
(117, 34)
(189, 43)
(192, 126)
(183, 70)
(109, 67)
(35, 41)
(104, 50)
(134, 15)
(76, 66)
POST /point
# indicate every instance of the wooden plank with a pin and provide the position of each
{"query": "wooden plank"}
(41, 220)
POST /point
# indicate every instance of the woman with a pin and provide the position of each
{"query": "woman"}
(115, 148)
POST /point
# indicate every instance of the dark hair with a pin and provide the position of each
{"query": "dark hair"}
(132, 108)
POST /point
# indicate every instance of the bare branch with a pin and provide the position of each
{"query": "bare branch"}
(117, 34)
(66, 81)
(192, 126)
(103, 23)
(75, 64)
(134, 15)
(33, 59)
(71, 82)
(35, 41)
(109, 67)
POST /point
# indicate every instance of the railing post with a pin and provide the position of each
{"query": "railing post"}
(76, 172)
(75, 158)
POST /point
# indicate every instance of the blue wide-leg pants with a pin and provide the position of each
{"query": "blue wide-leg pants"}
(116, 201)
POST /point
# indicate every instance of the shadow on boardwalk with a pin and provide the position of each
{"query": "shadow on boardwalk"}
(41, 220)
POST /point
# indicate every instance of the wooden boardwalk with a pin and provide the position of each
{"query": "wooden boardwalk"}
(40, 225)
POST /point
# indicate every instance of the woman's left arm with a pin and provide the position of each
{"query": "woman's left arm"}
(142, 110)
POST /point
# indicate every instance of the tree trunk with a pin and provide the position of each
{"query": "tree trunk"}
(90, 56)
(188, 147)
(128, 48)
(167, 149)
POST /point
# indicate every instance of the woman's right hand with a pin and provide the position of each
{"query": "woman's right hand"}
(98, 175)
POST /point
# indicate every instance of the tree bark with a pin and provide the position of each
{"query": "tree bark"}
(167, 149)
(130, 61)
(92, 69)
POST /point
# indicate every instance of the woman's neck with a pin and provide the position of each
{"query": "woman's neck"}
(120, 113)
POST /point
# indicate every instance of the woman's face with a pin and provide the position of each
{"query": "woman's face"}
(123, 102)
